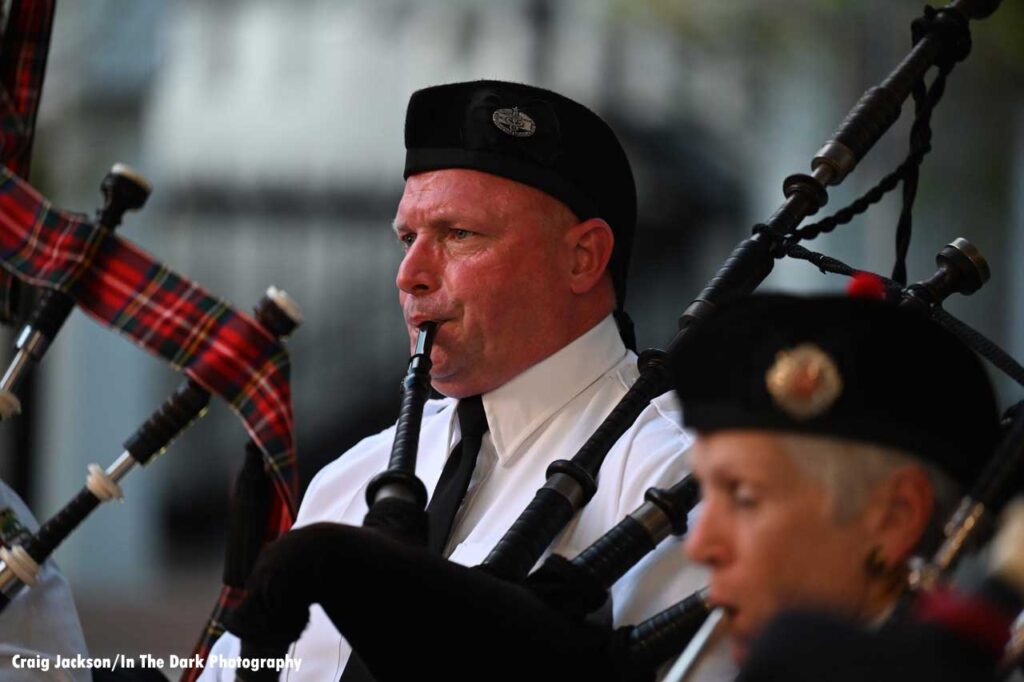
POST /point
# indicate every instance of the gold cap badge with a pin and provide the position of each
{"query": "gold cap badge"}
(804, 381)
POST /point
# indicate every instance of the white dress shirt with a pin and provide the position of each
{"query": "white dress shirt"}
(543, 414)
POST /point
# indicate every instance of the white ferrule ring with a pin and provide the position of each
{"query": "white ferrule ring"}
(101, 485)
(20, 563)
(286, 303)
(9, 405)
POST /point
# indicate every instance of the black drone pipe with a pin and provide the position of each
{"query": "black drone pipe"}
(651, 643)
(580, 586)
(572, 483)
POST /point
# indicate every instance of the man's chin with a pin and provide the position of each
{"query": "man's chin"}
(453, 390)
(739, 639)
(447, 385)
(459, 387)
(738, 649)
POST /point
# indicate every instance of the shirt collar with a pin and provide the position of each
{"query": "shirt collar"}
(518, 408)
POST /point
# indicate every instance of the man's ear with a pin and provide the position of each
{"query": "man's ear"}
(591, 243)
(902, 511)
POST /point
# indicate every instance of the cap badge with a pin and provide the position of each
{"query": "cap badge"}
(804, 381)
(514, 122)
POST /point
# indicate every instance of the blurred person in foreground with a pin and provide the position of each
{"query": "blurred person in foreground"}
(834, 438)
(516, 221)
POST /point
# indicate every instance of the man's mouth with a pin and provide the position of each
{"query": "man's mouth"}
(730, 609)
(418, 319)
(715, 599)
(417, 323)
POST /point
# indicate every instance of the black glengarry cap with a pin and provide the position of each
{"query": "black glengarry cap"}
(852, 368)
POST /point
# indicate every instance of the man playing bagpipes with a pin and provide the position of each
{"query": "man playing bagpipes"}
(517, 221)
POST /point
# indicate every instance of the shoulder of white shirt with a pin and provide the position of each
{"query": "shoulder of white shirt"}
(666, 405)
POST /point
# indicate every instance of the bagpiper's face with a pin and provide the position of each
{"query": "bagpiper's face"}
(488, 259)
(768, 533)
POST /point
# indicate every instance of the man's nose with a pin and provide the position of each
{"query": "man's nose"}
(419, 272)
(707, 540)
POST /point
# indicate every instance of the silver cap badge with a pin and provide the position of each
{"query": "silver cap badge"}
(514, 122)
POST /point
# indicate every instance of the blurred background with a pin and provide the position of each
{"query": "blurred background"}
(272, 134)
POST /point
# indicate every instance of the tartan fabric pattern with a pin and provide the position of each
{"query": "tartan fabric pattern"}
(123, 287)
(23, 50)
(39, 244)
(26, 43)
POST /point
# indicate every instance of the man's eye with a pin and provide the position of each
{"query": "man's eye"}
(460, 234)
(407, 239)
(743, 498)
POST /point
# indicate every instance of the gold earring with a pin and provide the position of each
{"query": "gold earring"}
(874, 564)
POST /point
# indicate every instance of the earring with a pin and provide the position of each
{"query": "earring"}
(874, 564)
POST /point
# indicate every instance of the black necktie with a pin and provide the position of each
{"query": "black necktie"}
(458, 469)
(445, 501)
